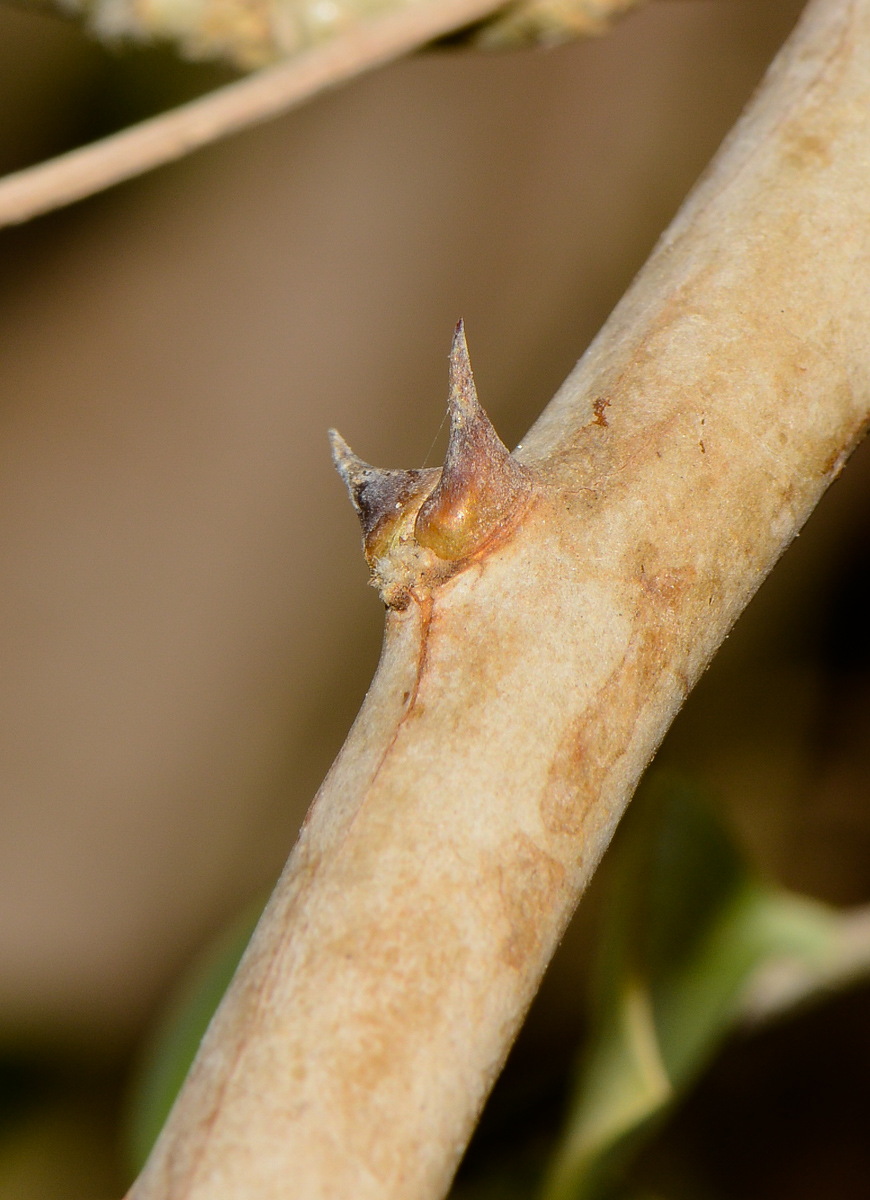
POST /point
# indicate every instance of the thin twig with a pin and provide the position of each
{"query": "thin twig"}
(89, 169)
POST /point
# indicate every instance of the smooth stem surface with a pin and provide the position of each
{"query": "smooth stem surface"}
(515, 710)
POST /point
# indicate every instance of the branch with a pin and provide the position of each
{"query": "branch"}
(541, 638)
(89, 169)
(361, 36)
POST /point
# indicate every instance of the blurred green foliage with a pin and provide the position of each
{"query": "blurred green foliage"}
(684, 929)
(170, 1048)
(686, 925)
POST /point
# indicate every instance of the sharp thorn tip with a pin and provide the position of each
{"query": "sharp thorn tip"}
(462, 395)
(460, 344)
(349, 465)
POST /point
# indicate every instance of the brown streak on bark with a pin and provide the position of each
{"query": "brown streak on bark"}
(530, 883)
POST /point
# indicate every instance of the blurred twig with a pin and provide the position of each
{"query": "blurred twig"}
(327, 43)
(692, 945)
(359, 48)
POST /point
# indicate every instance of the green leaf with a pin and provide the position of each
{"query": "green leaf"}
(686, 926)
(174, 1041)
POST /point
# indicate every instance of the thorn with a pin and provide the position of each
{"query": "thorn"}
(481, 484)
(352, 469)
(462, 396)
(472, 435)
(381, 497)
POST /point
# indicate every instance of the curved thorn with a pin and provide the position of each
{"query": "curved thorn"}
(380, 497)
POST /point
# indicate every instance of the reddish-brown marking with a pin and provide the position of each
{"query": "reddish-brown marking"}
(529, 881)
(598, 407)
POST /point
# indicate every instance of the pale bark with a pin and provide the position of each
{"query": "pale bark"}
(515, 709)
